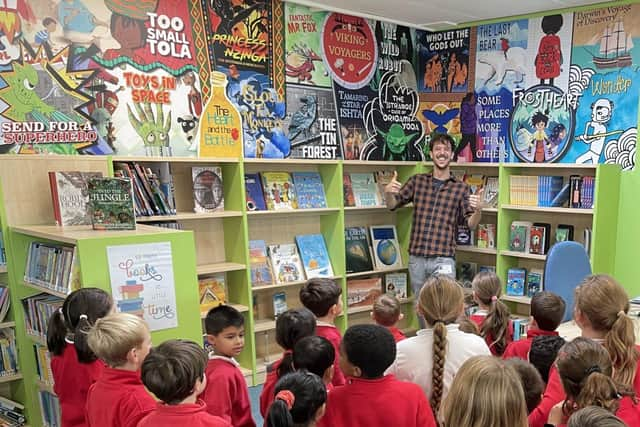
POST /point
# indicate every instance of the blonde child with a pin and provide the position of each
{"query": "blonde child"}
(316, 355)
(386, 312)
(174, 373)
(485, 392)
(119, 398)
(74, 366)
(493, 316)
(299, 401)
(600, 310)
(432, 358)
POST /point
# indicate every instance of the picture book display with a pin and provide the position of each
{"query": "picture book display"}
(253, 191)
(365, 190)
(486, 236)
(396, 284)
(383, 178)
(358, 255)
(538, 239)
(534, 281)
(363, 292)
(261, 274)
(111, 204)
(70, 197)
(286, 263)
(208, 193)
(279, 191)
(564, 232)
(491, 187)
(212, 292)
(519, 236)
(385, 247)
(309, 190)
(153, 191)
(314, 254)
(279, 303)
(516, 278)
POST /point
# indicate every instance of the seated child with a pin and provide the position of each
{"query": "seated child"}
(371, 398)
(119, 398)
(323, 298)
(531, 382)
(386, 312)
(485, 392)
(547, 312)
(316, 355)
(226, 395)
(594, 416)
(291, 326)
(493, 316)
(174, 373)
(543, 353)
(299, 401)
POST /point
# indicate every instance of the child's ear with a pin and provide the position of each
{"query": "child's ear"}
(320, 412)
(401, 317)
(132, 355)
(327, 377)
(357, 372)
(200, 385)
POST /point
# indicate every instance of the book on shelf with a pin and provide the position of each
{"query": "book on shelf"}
(8, 352)
(538, 240)
(486, 236)
(519, 236)
(279, 191)
(491, 187)
(208, 191)
(53, 267)
(111, 203)
(458, 174)
(385, 247)
(314, 255)
(347, 189)
(474, 181)
(70, 197)
(520, 327)
(163, 178)
(534, 281)
(363, 292)
(213, 292)
(5, 302)
(261, 273)
(464, 236)
(3, 252)
(587, 190)
(560, 200)
(516, 279)
(396, 284)
(11, 413)
(50, 408)
(286, 263)
(358, 254)
(564, 232)
(365, 190)
(37, 311)
(253, 192)
(465, 273)
(486, 269)
(148, 196)
(279, 300)
(309, 190)
(586, 235)
(43, 364)
(548, 188)
(575, 182)
(383, 178)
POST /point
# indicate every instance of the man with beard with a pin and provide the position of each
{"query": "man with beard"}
(440, 203)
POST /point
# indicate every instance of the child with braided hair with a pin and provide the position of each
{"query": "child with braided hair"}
(299, 401)
(432, 358)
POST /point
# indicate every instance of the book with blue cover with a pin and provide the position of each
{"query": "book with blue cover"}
(309, 189)
(314, 254)
(515, 281)
(365, 190)
(385, 247)
(534, 282)
(253, 192)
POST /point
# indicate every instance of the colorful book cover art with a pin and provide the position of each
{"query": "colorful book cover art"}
(111, 203)
(279, 191)
(350, 105)
(314, 254)
(605, 55)
(363, 292)
(261, 273)
(303, 59)
(286, 263)
(208, 192)
(71, 197)
(357, 250)
(253, 191)
(515, 281)
(309, 190)
(534, 282)
(212, 292)
(439, 117)
(518, 238)
(396, 51)
(443, 61)
(347, 192)
(385, 246)
(365, 189)
(396, 284)
(311, 123)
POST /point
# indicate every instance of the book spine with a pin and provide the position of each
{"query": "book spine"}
(53, 183)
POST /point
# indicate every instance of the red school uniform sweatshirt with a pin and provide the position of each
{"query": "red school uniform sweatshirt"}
(268, 388)
(332, 333)
(397, 333)
(226, 394)
(359, 404)
(186, 414)
(72, 381)
(521, 348)
(554, 393)
(118, 399)
(478, 319)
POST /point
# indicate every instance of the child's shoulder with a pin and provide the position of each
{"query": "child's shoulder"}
(221, 366)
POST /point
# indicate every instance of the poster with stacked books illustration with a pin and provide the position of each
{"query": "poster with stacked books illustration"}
(142, 282)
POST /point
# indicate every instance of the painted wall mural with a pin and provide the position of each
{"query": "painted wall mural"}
(132, 78)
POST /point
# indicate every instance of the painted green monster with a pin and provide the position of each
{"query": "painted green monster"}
(153, 129)
(395, 143)
(20, 93)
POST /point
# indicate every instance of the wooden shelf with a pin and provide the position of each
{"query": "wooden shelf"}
(72, 234)
(45, 290)
(373, 272)
(490, 210)
(373, 209)
(453, 165)
(549, 166)
(5, 325)
(475, 249)
(284, 285)
(291, 161)
(523, 255)
(571, 211)
(241, 308)
(519, 300)
(207, 160)
(354, 310)
(219, 267)
(9, 378)
(189, 216)
(377, 163)
(3, 268)
(264, 325)
(37, 339)
(45, 387)
(316, 211)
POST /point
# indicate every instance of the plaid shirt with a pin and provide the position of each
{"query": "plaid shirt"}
(436, 214)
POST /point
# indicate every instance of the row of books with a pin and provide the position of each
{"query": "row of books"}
(8, 352)
(37, 311)
(476, 182)
(521, 282)
(484, 236)
(375, 247)
(552, 191)
(3, 252)
(53, 267)
(284, 190)
(535, 237)
(50, 409)
(152, 187)
(365, 189)
(11, 413)
(43, 364)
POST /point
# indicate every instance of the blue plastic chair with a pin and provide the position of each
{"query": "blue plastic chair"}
(567, 264)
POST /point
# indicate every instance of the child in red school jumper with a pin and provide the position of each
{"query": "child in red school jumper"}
(118, 398)
(370, 398)
(226, 395)
(600, 311)
(585, 371)
(291, 326)
(386, 312)
(299, 402)
(323, 298)
(174, 373)
(531, 381)
(74, 366)
(316, 355)
(493, 316)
